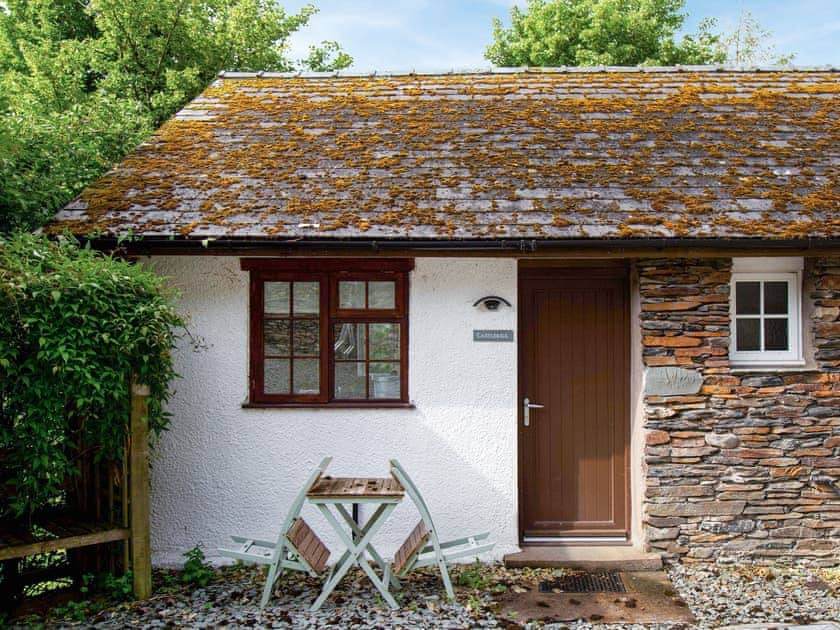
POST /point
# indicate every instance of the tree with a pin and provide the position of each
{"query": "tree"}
(601, 32)
(163, 53)
(751, 44)
(84, 81)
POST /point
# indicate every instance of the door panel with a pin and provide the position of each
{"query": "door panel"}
(574, 360)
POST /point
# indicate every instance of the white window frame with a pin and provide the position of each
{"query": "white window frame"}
(763, 270)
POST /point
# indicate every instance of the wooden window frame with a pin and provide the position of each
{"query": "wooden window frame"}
(329, 272)
(400, 296)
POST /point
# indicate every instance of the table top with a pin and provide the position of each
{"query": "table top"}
(353, 488)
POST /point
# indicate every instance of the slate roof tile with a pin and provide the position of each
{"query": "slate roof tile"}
(551, 153)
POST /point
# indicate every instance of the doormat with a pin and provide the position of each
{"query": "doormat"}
(606, 582)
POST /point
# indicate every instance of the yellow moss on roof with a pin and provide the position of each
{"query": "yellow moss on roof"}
(570, 155)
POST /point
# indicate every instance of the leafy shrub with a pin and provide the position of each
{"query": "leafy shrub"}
(98, 592)
(197, 570)
(74, 325)
(116, 588)
(76, 610)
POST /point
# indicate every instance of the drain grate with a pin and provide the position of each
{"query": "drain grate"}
(607, 582)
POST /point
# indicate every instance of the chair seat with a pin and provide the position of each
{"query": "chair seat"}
(411, 547)
(307, 545)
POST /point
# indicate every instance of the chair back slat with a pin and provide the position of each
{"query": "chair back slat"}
(307, 545)
(297, 504)
(411, 547)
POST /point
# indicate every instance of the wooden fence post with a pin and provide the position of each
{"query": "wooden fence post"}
(141, 561)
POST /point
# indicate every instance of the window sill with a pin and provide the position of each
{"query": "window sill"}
(790, 366)
(332, 405)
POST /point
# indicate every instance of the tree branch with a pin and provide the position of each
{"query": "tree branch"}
(181, 6)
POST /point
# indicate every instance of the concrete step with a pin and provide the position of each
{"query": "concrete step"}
(587, 557)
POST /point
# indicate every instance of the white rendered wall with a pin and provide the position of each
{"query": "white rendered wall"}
(223, 469)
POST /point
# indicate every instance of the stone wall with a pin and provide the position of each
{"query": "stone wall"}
(741, 469)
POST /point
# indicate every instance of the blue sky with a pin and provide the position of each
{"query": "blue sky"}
(444, 34)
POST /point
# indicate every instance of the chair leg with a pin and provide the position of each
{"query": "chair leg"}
(274, 574)
(447, 583)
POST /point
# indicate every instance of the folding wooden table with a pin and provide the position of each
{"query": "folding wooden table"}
(335, 493)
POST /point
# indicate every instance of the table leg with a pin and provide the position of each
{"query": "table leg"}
(354, 551)
(358, 533)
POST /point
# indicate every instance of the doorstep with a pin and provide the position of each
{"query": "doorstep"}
(587, 557)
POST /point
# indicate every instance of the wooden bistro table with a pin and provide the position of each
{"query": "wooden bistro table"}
(335, 493)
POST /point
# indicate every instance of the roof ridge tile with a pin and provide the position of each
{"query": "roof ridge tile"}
(746, 69)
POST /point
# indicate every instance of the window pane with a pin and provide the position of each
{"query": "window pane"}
(384, 341)
(276, 298)
(776, 333)
(276, 333)
(306, 336)
(307, 376)
(349, 380)
(307, 298)
(384, 380)
(276, 376)
(748, 334)
(747, 298)
(776, 298)
(351, 294)
(381, 294)
(349, 341)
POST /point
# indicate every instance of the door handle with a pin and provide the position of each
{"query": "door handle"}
(527, 405)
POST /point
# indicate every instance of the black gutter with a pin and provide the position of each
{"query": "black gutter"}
(163, 244)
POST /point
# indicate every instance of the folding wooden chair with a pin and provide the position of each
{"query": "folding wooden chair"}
(297, 547)
(415, 552)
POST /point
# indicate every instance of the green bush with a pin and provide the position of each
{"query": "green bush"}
(74, 325)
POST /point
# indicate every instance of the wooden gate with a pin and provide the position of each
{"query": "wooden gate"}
(102, 525)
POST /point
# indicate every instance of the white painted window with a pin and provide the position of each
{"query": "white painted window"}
(766, 308)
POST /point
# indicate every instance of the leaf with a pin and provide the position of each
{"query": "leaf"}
(56, 295)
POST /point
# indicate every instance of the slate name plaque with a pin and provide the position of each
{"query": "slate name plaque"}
(672, 381)
(492, 335)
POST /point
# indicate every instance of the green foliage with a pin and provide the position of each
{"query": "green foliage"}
(473, 577)
(75, 610)
(98, 592)
(328, 56)
(116, 588)
(623, 33)
(74, 325)
(84, 81)
(196, 570)
(595, 32)
(163, 53)
(47, 157)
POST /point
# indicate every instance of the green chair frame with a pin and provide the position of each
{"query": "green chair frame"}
(283, 554)
(437, 553)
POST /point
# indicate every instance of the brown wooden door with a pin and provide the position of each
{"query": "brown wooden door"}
(574, 360)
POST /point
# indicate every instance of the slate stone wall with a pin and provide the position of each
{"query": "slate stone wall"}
(742, 469)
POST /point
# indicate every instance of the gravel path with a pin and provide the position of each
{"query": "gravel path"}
(717, 595)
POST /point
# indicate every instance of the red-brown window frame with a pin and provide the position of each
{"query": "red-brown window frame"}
(329, 271)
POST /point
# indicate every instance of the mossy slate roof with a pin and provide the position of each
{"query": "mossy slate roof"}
(550, 154)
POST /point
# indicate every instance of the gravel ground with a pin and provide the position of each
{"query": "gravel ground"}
(730, 595)
(717, 595)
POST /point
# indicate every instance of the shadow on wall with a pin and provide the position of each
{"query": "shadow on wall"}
(252, 494)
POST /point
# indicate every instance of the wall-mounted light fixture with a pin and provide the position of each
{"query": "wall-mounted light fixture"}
(491, 302)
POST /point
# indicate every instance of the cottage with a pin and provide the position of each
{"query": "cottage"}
(591, 309)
